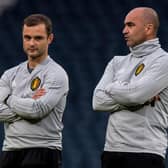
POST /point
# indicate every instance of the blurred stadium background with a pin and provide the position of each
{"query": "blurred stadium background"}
(87, 35)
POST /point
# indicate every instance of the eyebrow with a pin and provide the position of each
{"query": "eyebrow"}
(36, 36)
(129, 23)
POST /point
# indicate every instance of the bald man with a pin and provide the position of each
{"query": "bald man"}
(134, 89)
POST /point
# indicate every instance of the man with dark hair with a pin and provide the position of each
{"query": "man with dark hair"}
(32, 101)
(134, 89)
(36, 19)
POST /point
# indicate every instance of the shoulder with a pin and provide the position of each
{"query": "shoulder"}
(158, 61)
(118, 59)
(54, 67)
(161, 56)
(13, 70)
(55, 71)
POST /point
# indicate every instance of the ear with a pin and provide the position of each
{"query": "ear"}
(149, 29)
(50, 38)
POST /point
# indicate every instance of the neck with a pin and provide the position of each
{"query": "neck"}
(34, 61)
(145, 48)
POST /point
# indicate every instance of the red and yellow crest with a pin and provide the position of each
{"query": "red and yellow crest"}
(35, 83)
(139, 69)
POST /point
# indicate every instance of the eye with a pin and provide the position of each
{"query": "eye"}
(27, 38)
(130, 24)
(38, 38)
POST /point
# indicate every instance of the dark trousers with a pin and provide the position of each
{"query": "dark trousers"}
(31, 158)
(131, 160)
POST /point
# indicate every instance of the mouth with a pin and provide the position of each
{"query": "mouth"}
(126, 38)
(32, 49)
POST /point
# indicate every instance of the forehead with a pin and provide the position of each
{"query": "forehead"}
(37, 29)
(134, 16)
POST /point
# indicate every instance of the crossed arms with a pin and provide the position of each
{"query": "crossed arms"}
(38, 106)
(114, 95)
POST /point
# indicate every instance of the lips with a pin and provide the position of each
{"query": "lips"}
(32, 49)
(126, 38)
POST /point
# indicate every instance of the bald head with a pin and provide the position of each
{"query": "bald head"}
(148, 16)
(140, 24)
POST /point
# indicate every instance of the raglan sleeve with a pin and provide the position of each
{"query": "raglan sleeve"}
(56, 86)
(142, 90)
(102, 101)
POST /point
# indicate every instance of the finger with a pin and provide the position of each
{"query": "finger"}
(153, 103)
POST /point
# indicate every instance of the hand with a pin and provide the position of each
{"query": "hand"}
(39, 93)
(153, 100)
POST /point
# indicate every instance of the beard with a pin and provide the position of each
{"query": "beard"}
(35, 54)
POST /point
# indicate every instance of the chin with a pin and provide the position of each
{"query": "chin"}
(34, 56)
(130, 44)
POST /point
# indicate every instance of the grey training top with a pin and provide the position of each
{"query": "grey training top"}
(127, 83)
(29, 122)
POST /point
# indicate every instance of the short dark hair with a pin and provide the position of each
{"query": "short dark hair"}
(36, 19)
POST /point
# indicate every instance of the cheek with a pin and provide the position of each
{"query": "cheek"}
(43, 46)
(141, 36)
(138, 34)
(24, 45)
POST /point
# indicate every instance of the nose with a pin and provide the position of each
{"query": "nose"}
(31, 41)
(125, 30)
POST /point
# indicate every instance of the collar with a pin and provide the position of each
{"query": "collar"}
(145, 48)
(42, 64)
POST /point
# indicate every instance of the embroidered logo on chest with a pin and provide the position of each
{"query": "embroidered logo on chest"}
(35, 83)
(139, 69)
